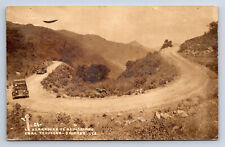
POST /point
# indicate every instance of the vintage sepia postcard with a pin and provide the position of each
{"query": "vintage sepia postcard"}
(112, 73)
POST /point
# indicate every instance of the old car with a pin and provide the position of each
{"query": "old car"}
(42, 70)
(20, 89)
(99, 90)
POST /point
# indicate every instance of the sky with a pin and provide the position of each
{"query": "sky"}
(148, 25)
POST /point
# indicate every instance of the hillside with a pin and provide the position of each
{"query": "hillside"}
(203, 49)
(146, 73)
(29, 45)
(116, 53)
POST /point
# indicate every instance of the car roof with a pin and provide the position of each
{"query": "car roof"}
(19, 81)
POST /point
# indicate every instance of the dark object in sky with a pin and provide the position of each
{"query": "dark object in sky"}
(51, 21)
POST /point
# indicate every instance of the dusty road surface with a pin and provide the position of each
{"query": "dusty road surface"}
(192, 81)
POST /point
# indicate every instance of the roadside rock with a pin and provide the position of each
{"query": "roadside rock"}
(104, 115)
(191, 111)
(141, 119)
(130, 117)
(141, 111)
(118, 122)
(64, 96)
(157, 114)
(182, 113)
(165, 115)
(119, 114)
(112, 118)
(176, 128)
(128, 122)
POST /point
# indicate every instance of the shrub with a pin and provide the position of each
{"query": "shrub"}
(93, 73)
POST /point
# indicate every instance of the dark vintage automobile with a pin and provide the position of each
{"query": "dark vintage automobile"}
(101, 90)
(20, 89)
(42, 70)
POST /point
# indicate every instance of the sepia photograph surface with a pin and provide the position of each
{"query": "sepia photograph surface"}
(112, 72)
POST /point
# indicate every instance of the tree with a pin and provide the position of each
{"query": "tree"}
(213, 27)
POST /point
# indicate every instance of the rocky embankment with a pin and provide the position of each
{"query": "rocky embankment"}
(203, 49)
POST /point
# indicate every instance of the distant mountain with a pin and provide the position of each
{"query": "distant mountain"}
(116, 53)
(136, 44)
(28, 45)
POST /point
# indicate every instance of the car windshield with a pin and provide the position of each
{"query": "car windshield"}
(20, 86)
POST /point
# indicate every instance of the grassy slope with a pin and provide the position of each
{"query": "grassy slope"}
(28, 45)
(203, 49)
(142, 74)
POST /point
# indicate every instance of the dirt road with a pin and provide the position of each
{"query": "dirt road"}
(192, 81)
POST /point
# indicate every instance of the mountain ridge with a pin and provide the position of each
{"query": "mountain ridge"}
(28, 45)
